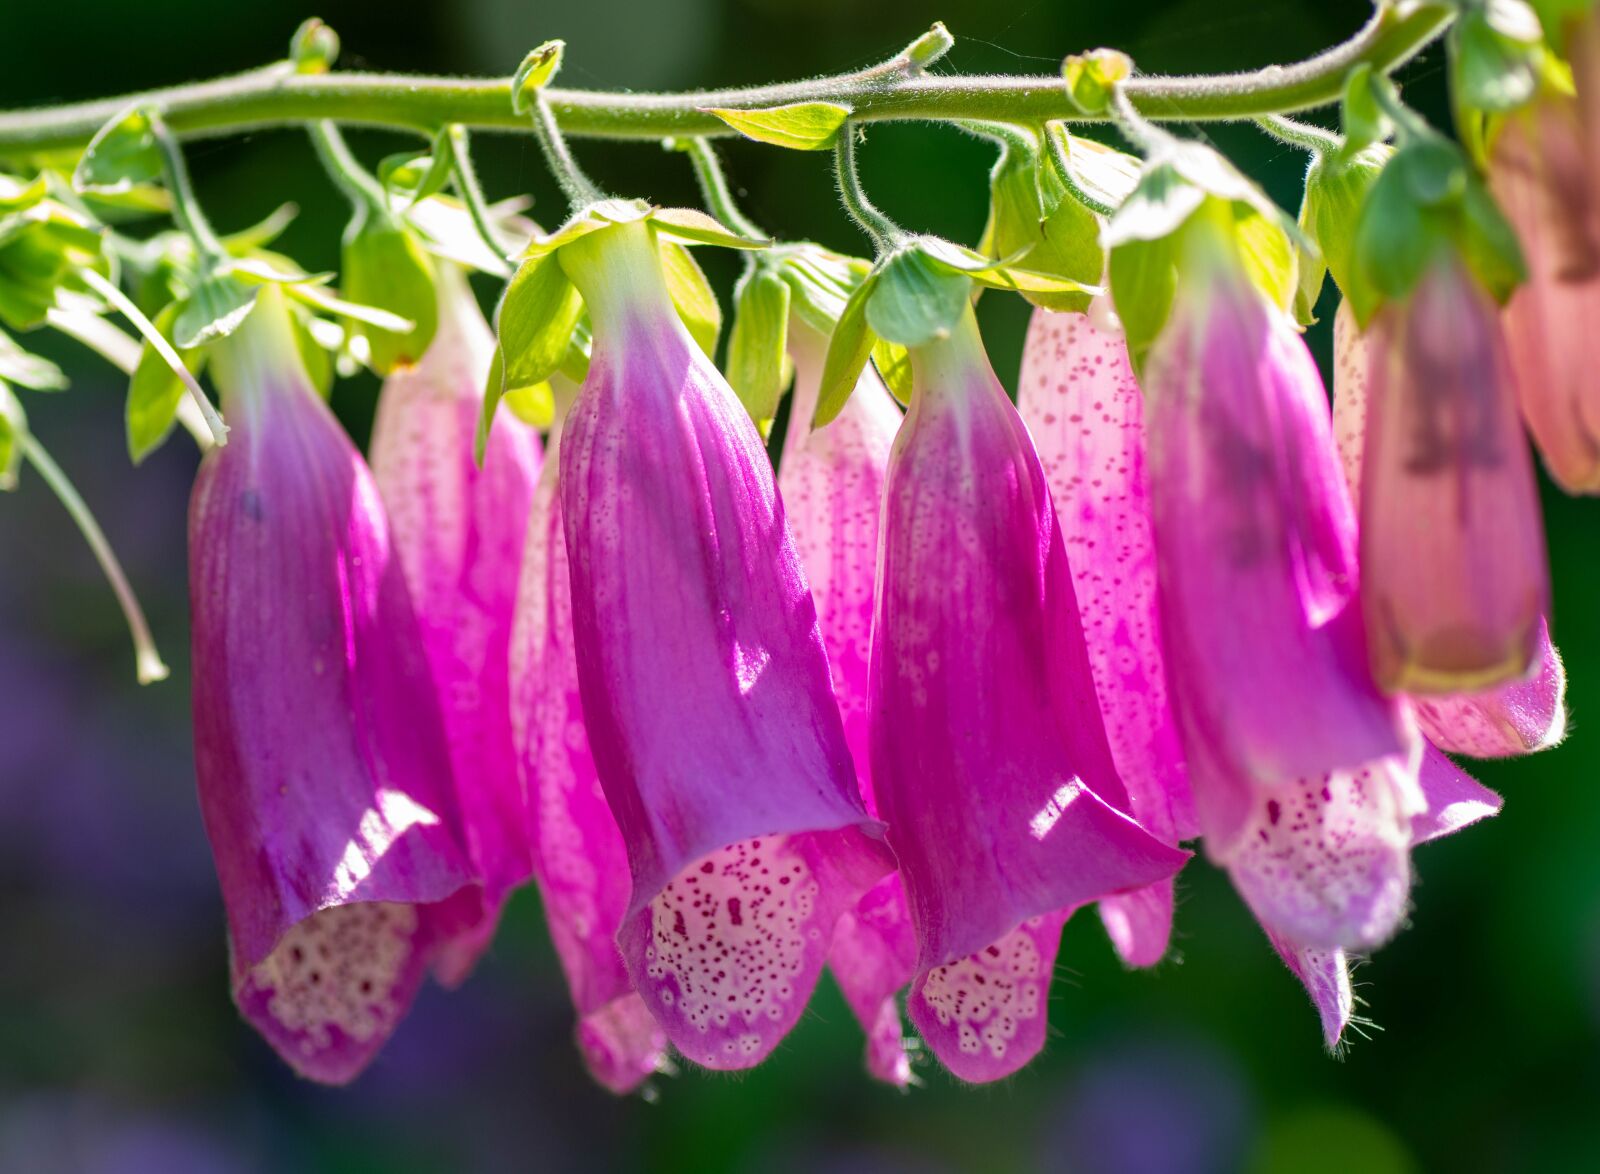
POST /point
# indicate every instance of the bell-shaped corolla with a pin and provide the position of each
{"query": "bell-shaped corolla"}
(1255, 544)
(1505, 720)
(580, 862)
(1540, 174)
(323, 766)
(832, 481)
(1085, 412)
(705, 688)
(457, 530)
(989, 756)
(1454, 583)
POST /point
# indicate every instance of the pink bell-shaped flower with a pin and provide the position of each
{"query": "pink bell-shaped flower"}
(1453, 577)
(832, 481)
(1085, 412)
(989, 757)
(705, 689)
(458, 532)
(323, 765)
(580, 861)
(1517, 718)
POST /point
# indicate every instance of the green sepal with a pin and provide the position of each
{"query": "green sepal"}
(1496, 56)
(537, 70)
(1157, 207)
(13, 427)
(155, 391)
(534, 406)
(122, 154)
(1361, 114)
(262, 233)
(849, 348)
(315, 295)
(418, 174)
(821, 282)
(802, 126)
(590, 218)
(692, 295)
(534, 325)
(694, 227)
(314, 353)
(16, 196)
(758, 361)
(42, 248)
(1144, 282)
(386, 266)
(1270, 257)
(1091, 76)
(917, 299)
(1034, 223)
(575, 361)
(893, 362)
(214, 308)
(28, 370)
(314, 47)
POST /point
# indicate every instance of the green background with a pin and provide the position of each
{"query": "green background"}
(119, 1050)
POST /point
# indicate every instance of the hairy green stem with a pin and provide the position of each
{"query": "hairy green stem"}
(471, 192)
(185, 207)
(277, 95)
(575, 185)
(714, 188)
(885, 233)
(355, 181)
(1315, 139)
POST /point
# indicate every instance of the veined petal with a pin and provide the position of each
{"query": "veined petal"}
(988, 751)
(458, 532)
(1516, 718)
(580, 862)
(324, 771)
(1326, 977)
(1453, 799)
(832, 481)
(1085, 412)
(706, 691)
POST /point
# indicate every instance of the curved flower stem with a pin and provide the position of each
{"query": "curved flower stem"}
(355, 181)
(124, 306)
(185, 207)
(895, 90)
(1300, 134)
(885, 233)
(471, 192)
(1139, 130)
(148, 663)
(575, 185)
(714, 188)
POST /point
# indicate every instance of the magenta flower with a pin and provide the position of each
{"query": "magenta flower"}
(1539, 171)
(458, 533)
(580, 861)
(1085, 413)
(705, 687)
(1517, 718)
(1255, 539)
(989, 758)
(324, 770)
(1454, 584)
(832, 481)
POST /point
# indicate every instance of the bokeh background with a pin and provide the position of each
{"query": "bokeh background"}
(119, 1050)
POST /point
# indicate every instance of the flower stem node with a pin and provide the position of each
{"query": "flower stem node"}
(537, 70)
(314, 47)
(1091, 77)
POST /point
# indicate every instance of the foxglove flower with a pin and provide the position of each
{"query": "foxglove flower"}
(324, 771)
(1518, 718)
(1539, 171)
(1085, 413)
(580, 861)
(1454, 584)
(1255, 540)
(458, 533)
(989, 758)
(832, 482)
(704, 684)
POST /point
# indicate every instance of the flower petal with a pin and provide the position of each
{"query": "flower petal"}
(1326, 976)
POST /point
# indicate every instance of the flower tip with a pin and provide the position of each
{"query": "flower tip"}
(150, 668)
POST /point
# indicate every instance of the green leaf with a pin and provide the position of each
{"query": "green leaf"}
(894, 365)
(917, 299)
(214, 309)
(849, 348)
(758, 343)
(1144, 280)
(535, 72)
(1091, 76)
(28, 370)
(122, 153)
(385, 266)
(155, 391)
(803, 126)
(691, 294)
(1494, 72)
(13, 427)
(1269, 256)
(1394, 242)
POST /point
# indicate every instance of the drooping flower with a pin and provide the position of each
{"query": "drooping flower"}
(458, 532)
(1255, 540)
(580, 860)
(832, 481)
(1539, 172)
(1085, 412)
(324, 771)
(1454, 583)
(704, 684)
(1516, 718)
(989, 757)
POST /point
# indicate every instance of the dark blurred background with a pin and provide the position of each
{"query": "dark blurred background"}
(119, 1050)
